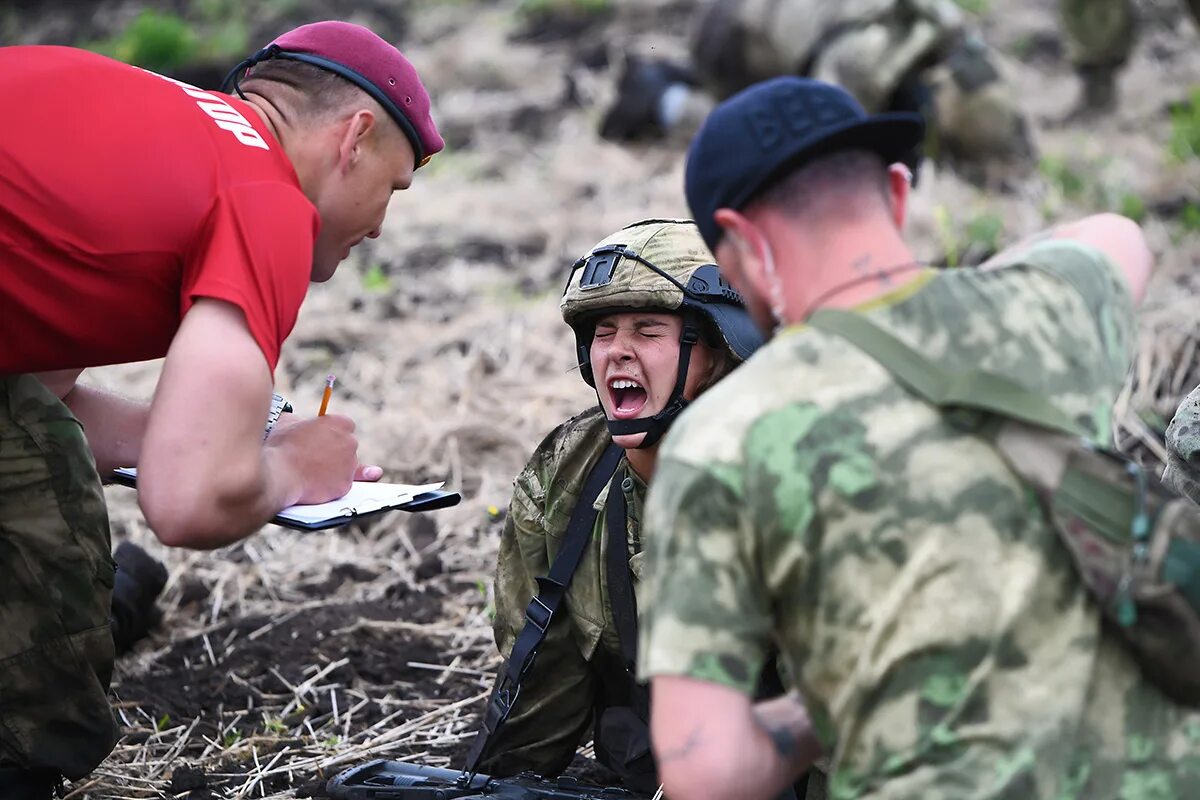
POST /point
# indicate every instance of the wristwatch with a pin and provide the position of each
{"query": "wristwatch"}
(278, 406)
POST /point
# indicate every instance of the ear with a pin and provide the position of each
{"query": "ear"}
(356, 130)
(900, 179)
(740, 251)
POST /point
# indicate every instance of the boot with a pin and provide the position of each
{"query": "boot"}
(1098, 93)
(640, 89)
(24, 784)
(139, 581)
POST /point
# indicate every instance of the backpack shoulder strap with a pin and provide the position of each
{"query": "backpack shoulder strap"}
(552, 589)
(974, 389)
(621, 597)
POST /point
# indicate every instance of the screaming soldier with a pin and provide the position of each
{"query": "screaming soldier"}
(655, 326)
(162, 220)
(938, 639)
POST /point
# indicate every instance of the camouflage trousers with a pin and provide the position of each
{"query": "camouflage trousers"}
(889, 54)
(1100, 33)
(56, 578)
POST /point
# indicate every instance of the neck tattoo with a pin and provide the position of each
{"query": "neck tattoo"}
(881, 275)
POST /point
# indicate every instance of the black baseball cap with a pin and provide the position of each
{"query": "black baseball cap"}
(775, 127)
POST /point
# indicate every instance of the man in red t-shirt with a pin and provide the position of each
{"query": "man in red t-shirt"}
(141, 217)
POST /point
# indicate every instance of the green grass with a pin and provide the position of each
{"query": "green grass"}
(1091, 185)
(1133, 206)
(154, 40)
(162, 41)
(489, 607)
(1063, 176)
(974, 6)
(376, 280)
(1023, 46)
(274, 726)
(969, 242)
(984, 231)
(541, 8)
(1185, 128)
(1190, 218)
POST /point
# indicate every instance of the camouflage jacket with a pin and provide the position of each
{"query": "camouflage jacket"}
(1183, 448)
(581, 651)
(866, 46)
(923, 604)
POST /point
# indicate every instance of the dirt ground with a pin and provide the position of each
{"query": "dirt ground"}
(290, 656)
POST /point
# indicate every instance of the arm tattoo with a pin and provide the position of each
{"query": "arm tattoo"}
(682, 751)
(781, 735)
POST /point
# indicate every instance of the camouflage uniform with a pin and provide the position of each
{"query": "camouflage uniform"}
(579, 678)
(56, 578)
(875, 49)
(579, 671)
(1100, 36)
(566, 686)
(1183, 448)
(932, 620)
(1099, 32)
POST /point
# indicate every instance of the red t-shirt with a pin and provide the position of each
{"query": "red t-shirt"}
(124, 196)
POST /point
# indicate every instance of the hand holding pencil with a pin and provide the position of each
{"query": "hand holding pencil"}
(321, 453)
(326, 395)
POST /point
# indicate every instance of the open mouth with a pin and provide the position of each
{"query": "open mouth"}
(628, 397)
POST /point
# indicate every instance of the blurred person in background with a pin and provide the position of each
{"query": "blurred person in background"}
(1100, 37)
(892, 55)
(655, 326)
(141, 217)
(939, 640)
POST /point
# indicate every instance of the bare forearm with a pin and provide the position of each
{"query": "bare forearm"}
(736, 753)
(114, 425)
(1120, 239)
(785, 723)
(205, 478)
(228, 493)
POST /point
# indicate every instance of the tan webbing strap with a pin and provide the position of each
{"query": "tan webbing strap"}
(975, 389)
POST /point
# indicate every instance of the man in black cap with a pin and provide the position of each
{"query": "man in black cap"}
(937, 638)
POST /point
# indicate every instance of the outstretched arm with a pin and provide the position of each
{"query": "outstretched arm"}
(114, 425)
(1117, 237)
(205, 479)
(712, 743)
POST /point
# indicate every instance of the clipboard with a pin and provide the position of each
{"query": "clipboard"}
(425, 501)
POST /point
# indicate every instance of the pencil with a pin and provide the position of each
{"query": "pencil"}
(325, 397)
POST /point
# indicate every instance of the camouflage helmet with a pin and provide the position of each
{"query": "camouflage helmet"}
(661, 265)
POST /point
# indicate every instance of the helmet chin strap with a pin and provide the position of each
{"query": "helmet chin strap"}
(655, 427)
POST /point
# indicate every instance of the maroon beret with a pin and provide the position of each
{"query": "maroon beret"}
(366, 60)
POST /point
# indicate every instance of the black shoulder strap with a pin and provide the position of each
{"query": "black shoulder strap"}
(552, 589)
(620, 582)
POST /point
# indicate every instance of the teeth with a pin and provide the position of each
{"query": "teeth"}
(622, 384)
